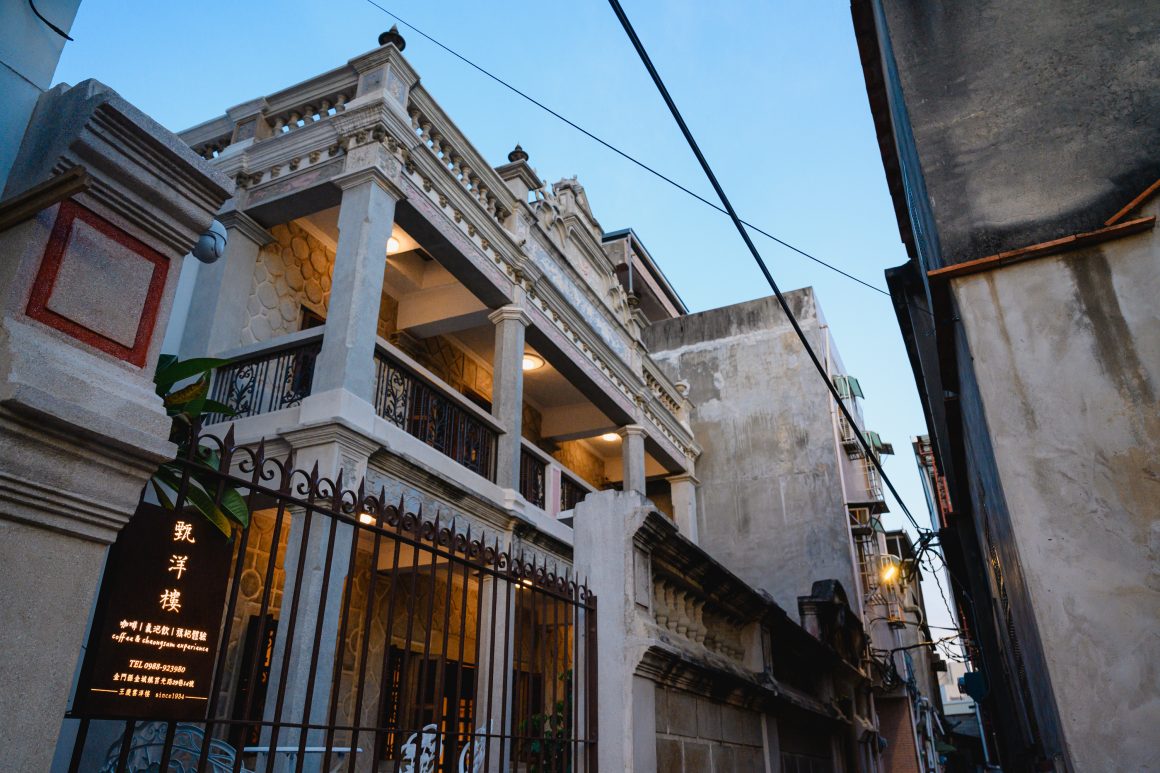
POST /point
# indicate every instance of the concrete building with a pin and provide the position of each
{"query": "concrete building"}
(909, 703)
(1022, 149)
(470, 531)
(786, 494)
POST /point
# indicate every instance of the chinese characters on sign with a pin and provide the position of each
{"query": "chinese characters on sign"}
(155, 632)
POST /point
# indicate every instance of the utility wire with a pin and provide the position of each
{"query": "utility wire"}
(50, 25)
(622, 153)
(740, 226)
(703, 200)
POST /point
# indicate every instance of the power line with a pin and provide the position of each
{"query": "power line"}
(621, 153)
(740, 226)
(738, 222)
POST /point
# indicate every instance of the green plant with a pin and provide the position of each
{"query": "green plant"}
(551, 734)
(187, 406)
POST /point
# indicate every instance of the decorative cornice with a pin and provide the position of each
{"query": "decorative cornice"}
(671, 668)
(346, 436)
(653, 530)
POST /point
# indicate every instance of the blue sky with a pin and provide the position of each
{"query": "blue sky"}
(772, 90)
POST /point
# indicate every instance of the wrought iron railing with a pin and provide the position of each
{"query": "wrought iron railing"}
(571, 492)
(533, 478)
(268, 380)
(430, 413)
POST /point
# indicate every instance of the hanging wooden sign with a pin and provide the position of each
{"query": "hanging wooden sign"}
(154, 637)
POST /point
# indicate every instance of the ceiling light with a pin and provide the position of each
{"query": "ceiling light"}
(392, 245)
(533, 362)
(610, 437)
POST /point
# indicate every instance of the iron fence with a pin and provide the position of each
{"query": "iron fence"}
(425, 411)
(357, 636)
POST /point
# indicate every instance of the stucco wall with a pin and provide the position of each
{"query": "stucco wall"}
(770, 503)
(1066, 354)
(1031, 122)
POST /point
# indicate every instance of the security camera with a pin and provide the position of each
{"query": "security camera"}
(212, 244)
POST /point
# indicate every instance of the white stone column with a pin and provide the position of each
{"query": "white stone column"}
(617, 570)
(507, 392)
(632, 456)
(493, 708)
(319, 589)
(365, 219)
(217, 308)
(683, 491)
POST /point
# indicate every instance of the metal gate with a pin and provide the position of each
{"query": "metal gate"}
(351, 635)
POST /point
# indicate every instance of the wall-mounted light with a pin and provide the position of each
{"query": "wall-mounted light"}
(392, 245)
(532, 362)
(891, 571)
(610, 437)
(366, 518)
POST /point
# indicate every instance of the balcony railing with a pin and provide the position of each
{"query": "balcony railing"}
(271, 379)
(571, 492)
(533, 477)
(436, 415)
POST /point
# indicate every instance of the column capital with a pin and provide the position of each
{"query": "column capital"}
(632, 430)
(684, 477)
(510, 312)
(373, 174)
(236, 220)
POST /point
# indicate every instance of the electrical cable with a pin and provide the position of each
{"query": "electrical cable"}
(716, 207)
(51, 26)
(621, 153)
(737, 223)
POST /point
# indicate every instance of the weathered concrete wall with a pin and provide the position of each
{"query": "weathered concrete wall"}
(1031, 121)
(1066, 354)
(771, 506)
(697, 735)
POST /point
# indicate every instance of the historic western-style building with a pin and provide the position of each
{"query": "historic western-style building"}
(465, 492)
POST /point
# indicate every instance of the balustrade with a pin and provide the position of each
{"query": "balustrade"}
(268, 380)
(431, 414)
(685, 612)
(533, 478)
(317, 109)
(571, 492)
(462, 161)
